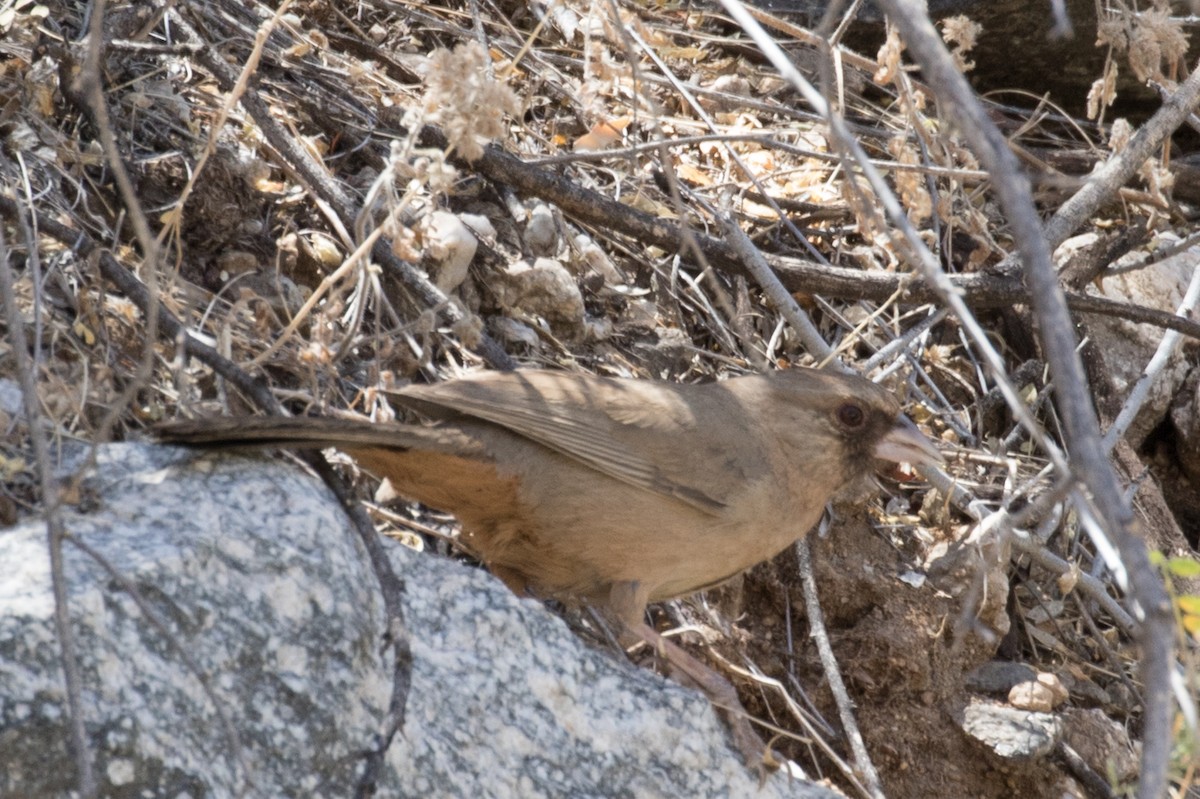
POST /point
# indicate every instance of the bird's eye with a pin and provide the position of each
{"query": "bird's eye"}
(851, 415)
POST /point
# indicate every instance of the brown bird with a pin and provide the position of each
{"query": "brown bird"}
(617, 492)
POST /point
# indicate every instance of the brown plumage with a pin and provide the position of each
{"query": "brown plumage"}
(616, 492)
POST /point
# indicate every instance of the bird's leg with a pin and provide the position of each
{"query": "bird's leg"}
(627, 604)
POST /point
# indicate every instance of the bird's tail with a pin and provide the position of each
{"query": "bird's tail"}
(291, 433)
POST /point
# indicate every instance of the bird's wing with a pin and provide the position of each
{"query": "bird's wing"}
(627, 429)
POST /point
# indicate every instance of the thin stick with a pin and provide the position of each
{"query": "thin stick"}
(1089, 461)
(1166, 348)
(816, 622)
(55, 531)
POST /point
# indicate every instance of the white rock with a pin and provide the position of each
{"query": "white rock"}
(1128, 347)
(591, 256)
(545, 289)
(450, 246)
(541, 233)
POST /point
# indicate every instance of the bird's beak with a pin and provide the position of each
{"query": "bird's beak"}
(904, 443)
